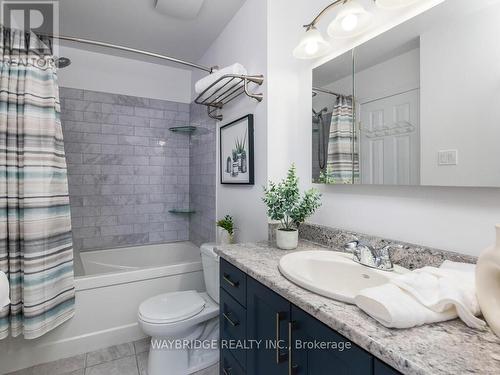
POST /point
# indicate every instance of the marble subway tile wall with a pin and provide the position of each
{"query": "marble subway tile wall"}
(202, 176)
(125, 168)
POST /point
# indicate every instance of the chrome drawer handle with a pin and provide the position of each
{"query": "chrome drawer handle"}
(226, 371)
(229, 281)
(291, 367)
(279, 356)
(232, 322)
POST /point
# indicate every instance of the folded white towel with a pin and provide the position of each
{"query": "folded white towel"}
(4, 290)
(205, 82)
(426, 295)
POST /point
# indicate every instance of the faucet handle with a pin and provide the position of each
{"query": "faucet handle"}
(384, 260)
(386, 248)
(351, 246)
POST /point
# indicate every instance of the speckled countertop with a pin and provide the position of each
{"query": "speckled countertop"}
(443, 348)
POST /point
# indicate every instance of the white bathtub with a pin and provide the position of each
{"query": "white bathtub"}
(115, 282)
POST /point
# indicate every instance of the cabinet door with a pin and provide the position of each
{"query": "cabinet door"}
(308, 357)
(267, 321)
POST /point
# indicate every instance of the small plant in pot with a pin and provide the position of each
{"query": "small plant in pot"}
(226, 230)
(285, 203)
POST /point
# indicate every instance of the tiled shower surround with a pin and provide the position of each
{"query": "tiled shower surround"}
(126, 170)
(202, 176)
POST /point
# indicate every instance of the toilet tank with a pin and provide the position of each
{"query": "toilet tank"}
(210, 262)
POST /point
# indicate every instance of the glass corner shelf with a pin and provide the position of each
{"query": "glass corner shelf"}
(183, 129)
(182, 211)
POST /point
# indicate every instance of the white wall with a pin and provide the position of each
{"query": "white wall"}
(396, 75)
(459, 219)
(460, 96)
(244, 41)
(119, 75)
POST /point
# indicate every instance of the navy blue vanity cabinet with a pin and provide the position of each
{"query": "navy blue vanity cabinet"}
(268, 315)
(263, 333)
(380, 368)
(338, 355)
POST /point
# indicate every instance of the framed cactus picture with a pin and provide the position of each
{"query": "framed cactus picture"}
(236, 152)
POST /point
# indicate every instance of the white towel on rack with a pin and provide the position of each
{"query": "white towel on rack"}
(205, 82)
(426, 295)
(4, 290)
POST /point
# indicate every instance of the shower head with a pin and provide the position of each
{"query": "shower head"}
(62, 62)
(315, 113)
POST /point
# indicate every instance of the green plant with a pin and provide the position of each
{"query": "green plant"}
(326, 177)
(240, 144)
(227, 224)
(284, 202)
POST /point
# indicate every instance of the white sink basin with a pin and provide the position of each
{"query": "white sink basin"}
(332, 274)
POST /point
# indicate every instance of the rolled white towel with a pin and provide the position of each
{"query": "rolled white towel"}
(4, 290)
(205, 82)
(395, 308)
(426, 295)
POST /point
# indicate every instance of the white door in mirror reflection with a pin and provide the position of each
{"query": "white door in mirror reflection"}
(390, 140)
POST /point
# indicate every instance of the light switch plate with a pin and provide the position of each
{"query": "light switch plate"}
(448, 157)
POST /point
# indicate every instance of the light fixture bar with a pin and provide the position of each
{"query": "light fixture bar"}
(326, 9)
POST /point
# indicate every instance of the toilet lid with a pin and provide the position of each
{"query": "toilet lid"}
(171, 307)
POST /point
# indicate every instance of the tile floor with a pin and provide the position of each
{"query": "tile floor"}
(124, 359)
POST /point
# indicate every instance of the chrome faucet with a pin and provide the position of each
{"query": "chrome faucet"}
(367, 255)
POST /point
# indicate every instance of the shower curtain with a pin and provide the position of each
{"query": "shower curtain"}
(36, 250)
(343, 158)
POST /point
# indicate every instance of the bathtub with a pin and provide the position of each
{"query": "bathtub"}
(108, 294)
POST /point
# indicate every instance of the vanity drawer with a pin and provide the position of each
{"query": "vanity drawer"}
(233, 281)
(233, 325)
(229, 365)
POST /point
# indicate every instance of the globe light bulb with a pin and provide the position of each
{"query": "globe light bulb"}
(349, 22)
(311, 47)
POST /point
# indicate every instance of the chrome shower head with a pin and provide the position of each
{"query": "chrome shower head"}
(62, 62)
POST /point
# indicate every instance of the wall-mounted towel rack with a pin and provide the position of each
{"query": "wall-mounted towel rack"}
(225, 89)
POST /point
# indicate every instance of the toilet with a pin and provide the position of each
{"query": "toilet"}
(184, 325)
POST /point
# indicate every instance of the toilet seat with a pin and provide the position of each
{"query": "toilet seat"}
(171, 307)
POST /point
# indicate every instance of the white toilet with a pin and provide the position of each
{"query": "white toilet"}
(184, 316)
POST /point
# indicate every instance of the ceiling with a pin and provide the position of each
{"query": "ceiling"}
(136, 24)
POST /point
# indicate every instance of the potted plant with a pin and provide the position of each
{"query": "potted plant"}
(226, 230)
(285, 203)
(239, 147)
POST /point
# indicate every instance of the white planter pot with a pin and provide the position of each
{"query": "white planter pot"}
(287, 239)
(225, 238)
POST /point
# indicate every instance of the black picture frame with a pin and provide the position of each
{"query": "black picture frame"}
(238, 165)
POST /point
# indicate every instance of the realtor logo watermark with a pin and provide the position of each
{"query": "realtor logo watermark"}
(39, 17)
(178, 344)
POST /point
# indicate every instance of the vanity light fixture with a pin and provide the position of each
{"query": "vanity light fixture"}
(313, 45)
(352, 20)
(393, 4)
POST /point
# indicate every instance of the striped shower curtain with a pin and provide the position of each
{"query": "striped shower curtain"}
(343, 156)
(36, 250)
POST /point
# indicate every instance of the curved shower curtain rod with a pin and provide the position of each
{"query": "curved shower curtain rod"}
(134, 50)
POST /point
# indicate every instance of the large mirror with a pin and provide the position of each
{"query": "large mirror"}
(417, 105)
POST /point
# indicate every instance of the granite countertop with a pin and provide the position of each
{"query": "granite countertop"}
(443, 348)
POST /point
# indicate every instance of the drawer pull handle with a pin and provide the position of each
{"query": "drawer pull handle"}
(279, 356)
(226, 278)
(226, 370)
(291, 367)
(231, 321)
